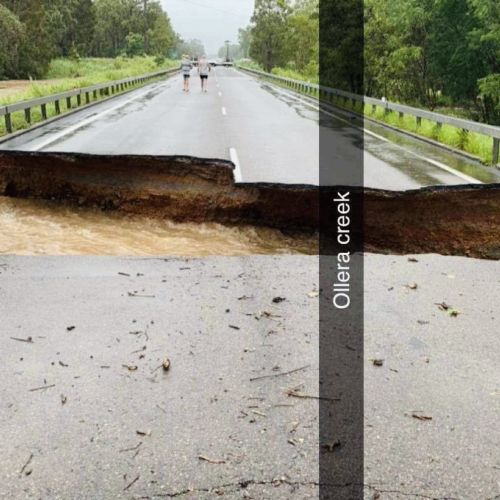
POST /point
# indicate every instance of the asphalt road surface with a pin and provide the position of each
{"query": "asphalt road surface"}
(271, 134)
(80, 422)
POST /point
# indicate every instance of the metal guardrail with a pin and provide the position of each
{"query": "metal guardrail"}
(81, 94)
(326, 93)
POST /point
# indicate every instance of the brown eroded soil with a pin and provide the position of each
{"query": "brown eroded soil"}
(456, 220)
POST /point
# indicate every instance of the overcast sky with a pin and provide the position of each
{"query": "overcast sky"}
(211, 21)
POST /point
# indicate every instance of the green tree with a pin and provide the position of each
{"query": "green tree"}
(135, 44)
(245, 41)
(269, 33)
(12, 39)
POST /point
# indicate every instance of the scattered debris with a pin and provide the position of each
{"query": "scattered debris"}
(280, 374)
(412, 286)
(23, 468)
(234, 327)
(134, 294)
(162, 409)
(211, 460)
(130, 368)
(294, 393)
(412, 259)
(443, 306)
(43, 387)
(123, 274)
(28, 340)
(277, 300)
(331, 447)
(313, 294)
(143, 433)
(421, 417)
(166, 364)
(259, 413)
(377, 362)
(64, 365)
(70, 328)
(64, 399)
(267, 314)
(422, 322)
(131, 483)
(245, 297)
(131, 449)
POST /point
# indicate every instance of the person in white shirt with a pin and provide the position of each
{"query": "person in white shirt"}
(186, 67)
(203, 70)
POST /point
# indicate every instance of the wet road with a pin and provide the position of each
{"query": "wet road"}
(272, 135)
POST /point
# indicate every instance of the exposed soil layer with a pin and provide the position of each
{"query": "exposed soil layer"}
(456, 220)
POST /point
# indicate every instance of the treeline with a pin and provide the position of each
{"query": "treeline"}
(435, 53)
(284, 34)
(33, 32)
(428, 53)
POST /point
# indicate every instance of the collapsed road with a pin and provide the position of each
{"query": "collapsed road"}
(454, 220)
(88, 404)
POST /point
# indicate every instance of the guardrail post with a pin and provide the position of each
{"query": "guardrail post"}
(87, 98)
(401, 115)
(496, 150)
(79, 100)
(94, 94)
(419, 121)
(57, 107)
(44, 111)
(8, 123)
(68, 102)
(27, 115)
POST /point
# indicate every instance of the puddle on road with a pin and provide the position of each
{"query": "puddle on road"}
(32, 227)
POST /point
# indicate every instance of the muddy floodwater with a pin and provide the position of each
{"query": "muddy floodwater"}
(29, 227)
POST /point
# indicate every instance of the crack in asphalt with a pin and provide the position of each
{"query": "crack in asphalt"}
(239, 484)
(409, 494)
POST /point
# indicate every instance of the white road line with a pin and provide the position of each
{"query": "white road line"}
(224, 112)
(436, 163)
(220, 94)
(83, 123)
(237, 168)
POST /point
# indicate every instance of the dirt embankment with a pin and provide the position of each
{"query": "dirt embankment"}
(457, 220)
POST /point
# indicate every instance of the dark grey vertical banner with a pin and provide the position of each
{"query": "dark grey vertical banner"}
(341, 259)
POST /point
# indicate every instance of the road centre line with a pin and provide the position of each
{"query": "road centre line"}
(237, 168)
(85, 122)
(435, 163)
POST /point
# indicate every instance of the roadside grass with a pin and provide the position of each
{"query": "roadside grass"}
(475, 144)
(71, 74)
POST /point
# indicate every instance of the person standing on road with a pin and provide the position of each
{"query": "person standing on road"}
(186, 67)
(203, 70)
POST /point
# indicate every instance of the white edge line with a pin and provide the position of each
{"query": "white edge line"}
(436, 163)
(237, 168)
(85, 122)
(224, 112)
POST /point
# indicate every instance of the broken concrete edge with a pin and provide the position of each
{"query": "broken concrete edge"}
(450, 220)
